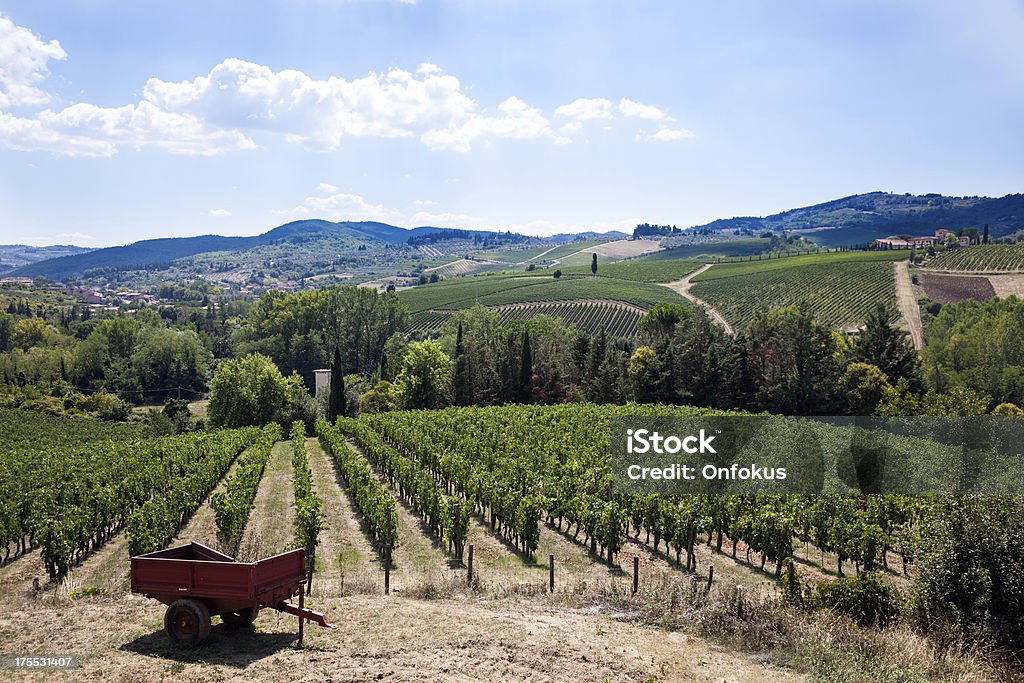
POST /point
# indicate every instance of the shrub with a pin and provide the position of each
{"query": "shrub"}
(970, 580)
(864, 598)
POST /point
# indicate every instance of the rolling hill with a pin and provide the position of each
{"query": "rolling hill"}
(157, 252)
(861, 218)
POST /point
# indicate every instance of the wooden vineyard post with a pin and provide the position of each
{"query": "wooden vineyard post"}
(469, 574)
(636, 573)
(711, 574)
(302, 622)
(551, 573)
(387, 574)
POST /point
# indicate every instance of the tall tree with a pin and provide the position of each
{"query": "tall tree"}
(593, 264)
(887, 347)
(526, 370)
(336, 397)
(984, 238)
(462, 382)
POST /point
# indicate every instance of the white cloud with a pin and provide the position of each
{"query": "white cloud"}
(220, 213)
(517, 121)
(425, 202)
(642, 111)
(23, 63)
(343, 206)
(229, 108)
(447, 220)
(326, 187)
(670, 134)
(584, 109)
(88, 130)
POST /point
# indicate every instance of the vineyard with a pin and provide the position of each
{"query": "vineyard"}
(520, 466)
(413, 492)
(840, 292)
(588, 316)
(462, 267)
(69, 495)
(985, 258)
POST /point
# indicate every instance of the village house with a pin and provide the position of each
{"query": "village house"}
(919, 242)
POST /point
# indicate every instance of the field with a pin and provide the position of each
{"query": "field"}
(588, 316)
(422, 488)
(841, 288)
(643, 269)
(713, 250)
(951, 289)
(982, 258)
(462, 267)
(496, 290)
(606, 251)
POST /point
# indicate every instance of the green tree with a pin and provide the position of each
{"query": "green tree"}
(247, 391)
(462, 382)
(425, 377)
(887, 347)
(661, 320)
(863, 385)
(30, 332)
(526, 369)
(171, 358)
(593, 264)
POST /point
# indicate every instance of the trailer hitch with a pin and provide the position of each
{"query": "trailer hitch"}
(304, 613)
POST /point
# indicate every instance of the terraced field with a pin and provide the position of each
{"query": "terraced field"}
(841, 288)
(987, 258)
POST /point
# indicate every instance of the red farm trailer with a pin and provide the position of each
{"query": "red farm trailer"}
(195, 582)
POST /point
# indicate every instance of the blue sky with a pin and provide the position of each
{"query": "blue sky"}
(121, 121)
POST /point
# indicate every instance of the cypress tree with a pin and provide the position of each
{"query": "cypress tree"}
(526, 369)
(336, 397)
(593, 264)
(984, 238)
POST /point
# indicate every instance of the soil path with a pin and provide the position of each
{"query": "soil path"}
(419, 553)
(271, 526)
(682, 287)
(346, 561)
(907, 302)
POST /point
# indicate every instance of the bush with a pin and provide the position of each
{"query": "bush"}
(970, 579)
(864, 598)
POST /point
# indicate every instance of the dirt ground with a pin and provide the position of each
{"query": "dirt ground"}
(391, 638)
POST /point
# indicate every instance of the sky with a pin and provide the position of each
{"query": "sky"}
(122, 121)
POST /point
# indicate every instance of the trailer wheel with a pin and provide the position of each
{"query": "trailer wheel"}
(242, 617)
(187, 622)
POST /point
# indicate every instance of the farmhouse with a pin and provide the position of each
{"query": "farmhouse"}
(927, 241)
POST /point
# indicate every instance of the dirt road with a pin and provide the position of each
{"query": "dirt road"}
(682, 287)
(907, 302)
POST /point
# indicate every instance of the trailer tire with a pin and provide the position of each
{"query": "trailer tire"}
(187, 622)
(240, 618)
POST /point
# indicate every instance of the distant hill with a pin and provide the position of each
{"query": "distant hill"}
(156, 252)
(16, 255)
(864, 217)
(589, 235)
